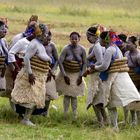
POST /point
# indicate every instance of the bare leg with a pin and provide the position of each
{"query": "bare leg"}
(66, 103)
(74, 106)
(113, 118)
(5, 93)
(126, 113)
(98, 115)
(138, 116)
(47, 103)
(104, 115)
(133, 115)
(27, 116)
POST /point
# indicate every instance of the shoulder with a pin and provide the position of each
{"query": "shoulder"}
(35, 41)
(103, 49)
(66, 47)
(52, 44)
(34, 44)
(18, 36)
(138, 55)
(110, 50)
(98, 45)
(126, 54)
(23, 41)
(4, 41)
(81, 47)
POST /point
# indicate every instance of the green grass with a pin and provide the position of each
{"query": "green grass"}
(63, 17)
(56, 127)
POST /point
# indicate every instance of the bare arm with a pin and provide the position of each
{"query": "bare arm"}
(55, 55)
(90, 54)
(61, 60)
(84, 65)
(98, 54)
(138, 59)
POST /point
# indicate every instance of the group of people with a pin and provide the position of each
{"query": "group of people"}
(30, 79)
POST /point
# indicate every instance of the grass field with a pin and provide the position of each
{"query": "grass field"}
(63, 17)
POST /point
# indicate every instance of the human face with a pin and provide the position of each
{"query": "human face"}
(139, 41)
(48, 40)
(43, 38)
(103, 43)
(3, 31)
(74, 39)
(130, 46)
(91, 38)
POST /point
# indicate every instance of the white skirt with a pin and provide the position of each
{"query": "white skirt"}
(2, 82)
(94, 96)
(123, 91)
(51, 93)
(70, 90)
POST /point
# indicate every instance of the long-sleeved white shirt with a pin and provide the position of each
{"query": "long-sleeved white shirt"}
(3, 47)
(20, 48)
(16, 38)
(37, 49)
(109, 53)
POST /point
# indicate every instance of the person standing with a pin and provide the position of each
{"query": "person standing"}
(95, 56)
(133, 56)
(115, 93)
(3, 54)
(69, 81)
(29, 89)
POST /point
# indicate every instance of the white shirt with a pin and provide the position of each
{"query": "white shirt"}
(5, 47)
(35, 48)
(107, 58)
(20, 48)
(16, 38)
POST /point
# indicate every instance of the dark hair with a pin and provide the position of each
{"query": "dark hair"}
(133, 39)
(43, 27)
(1, 23)
(49, 33)
(92, 30)
(103, 34)
(76, 33)
(122, 37)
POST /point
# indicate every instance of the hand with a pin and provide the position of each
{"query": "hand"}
(53, 76)
(92, 66)
(79, 80)
(49, 76)
(85, 74)
(3, 72)
(31, 79)
(67, 80)
(17, 68)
